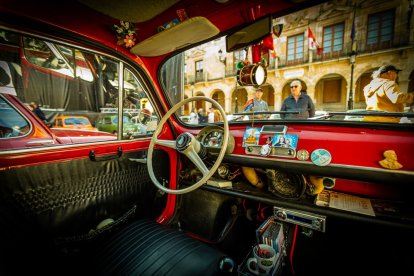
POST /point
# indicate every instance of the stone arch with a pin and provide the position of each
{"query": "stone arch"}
(269, 95)
(199, 104)
(331, 93)
(187, 107)
(364, 79)
(411, 82)
(218, 96)
(238, 99)
(286, 88)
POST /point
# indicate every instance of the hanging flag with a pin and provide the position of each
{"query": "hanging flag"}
(312, 40)
(313, 44)
(249, 104)
(319, 50)
(256, 52)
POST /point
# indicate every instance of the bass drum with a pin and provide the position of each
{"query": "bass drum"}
(253, 74)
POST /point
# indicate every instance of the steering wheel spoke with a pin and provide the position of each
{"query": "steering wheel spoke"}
(193, 156)
(166, 143)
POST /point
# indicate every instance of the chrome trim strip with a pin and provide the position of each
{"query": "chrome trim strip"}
(337, 166)
(55, 147)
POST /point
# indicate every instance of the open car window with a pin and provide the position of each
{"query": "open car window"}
(75, 91)
(334, 54)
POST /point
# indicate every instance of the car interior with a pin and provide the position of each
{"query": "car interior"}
(255, 192)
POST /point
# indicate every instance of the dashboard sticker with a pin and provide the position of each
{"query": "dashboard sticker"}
(285, 141)
(321, 157)
(251, 136)
(302, 155)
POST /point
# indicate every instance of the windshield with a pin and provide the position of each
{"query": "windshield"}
(322, 63)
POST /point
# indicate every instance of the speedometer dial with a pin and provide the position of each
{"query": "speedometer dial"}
(213, 139)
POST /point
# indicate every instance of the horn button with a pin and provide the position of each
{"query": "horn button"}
(183, 141)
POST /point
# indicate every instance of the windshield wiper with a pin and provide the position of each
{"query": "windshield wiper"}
(266, 113)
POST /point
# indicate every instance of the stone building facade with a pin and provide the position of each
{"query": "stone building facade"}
(335, 76)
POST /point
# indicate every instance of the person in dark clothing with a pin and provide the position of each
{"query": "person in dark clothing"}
(304, 89)
(202, 116)
(299, 102)
(39, 113)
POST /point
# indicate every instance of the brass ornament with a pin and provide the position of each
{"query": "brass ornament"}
(302, 155)
(390, 161)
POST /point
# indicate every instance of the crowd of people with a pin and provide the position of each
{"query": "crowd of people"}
(297, 105)
(381, 94)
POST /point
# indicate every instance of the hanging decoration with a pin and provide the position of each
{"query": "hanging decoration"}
(262, 50)
(245, 62)
(126, 34)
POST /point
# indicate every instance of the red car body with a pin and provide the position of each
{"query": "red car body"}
(42, 135)
(65, 181)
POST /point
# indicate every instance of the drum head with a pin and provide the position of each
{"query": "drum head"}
(260, 75)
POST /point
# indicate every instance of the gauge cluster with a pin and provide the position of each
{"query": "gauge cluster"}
(211, 137)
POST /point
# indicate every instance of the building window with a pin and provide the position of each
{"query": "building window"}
(380, 30)
(295, 48)
(238, 56)
(333, 39)
(199, 70)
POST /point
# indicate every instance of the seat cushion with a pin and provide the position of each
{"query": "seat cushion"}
(145, 247)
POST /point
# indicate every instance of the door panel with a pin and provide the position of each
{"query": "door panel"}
(71, 196)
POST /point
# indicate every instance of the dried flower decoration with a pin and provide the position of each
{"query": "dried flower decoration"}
(126, 34)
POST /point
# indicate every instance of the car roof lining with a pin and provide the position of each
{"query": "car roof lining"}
(135, 11)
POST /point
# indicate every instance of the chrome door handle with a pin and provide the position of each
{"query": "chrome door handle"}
(40, 143)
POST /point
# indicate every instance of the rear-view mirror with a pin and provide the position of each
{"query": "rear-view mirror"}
(248, 35)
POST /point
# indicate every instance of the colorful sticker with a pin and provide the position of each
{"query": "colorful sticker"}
(285, 141)
(251, 136)
(321, 157)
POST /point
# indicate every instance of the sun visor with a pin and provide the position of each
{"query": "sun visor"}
(190, 31)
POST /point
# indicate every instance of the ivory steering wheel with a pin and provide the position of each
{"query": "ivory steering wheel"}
(188, 145)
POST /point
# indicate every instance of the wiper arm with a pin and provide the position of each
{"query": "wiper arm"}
(374, 113)
(266, 113)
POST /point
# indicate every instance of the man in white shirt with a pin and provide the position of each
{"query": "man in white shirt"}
(193, 117)
(211, 115)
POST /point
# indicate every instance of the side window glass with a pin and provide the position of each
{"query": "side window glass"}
(74, 91)
(12, 123)
(77, 60)
(139, 118)
(68, 88)
(46, 55)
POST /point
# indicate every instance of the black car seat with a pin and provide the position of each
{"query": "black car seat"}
(145, 247)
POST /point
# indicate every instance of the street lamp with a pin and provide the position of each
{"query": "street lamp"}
(410, 12)
(222, 58)
(236, 109)
(352, 59)
(192, 95)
